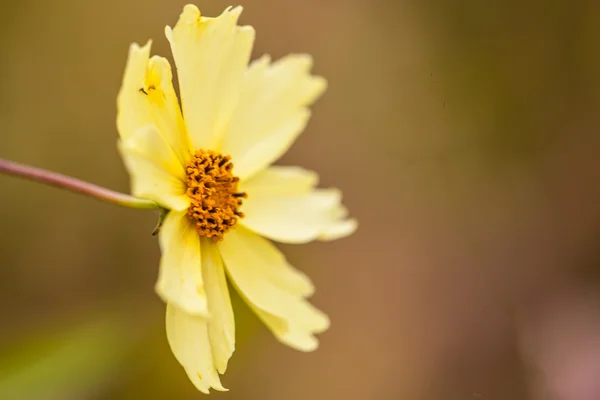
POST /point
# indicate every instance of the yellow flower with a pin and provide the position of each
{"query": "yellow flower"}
(231, 114)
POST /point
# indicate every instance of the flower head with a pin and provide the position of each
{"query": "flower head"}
(210, 163)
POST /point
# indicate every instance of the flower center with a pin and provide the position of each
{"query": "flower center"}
(212, 189)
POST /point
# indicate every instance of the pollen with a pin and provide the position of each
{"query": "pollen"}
(213, 191)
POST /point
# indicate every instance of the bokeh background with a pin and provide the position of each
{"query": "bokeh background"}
(464, 135)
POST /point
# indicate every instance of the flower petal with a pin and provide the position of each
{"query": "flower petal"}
(274, 267)
(154, 170)
(282, 180)
(180, 278)
(211, 55)
(283, 205)
(221, 326)
(272, 111)
(272, 288)
(189, 341)
(147, 97)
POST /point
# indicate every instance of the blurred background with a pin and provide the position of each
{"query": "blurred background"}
(464, 136)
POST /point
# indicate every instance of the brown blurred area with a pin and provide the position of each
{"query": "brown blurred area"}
(464, 136)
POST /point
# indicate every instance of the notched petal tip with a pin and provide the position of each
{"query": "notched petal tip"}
(189, 342)
(189, 16)
(159, 61)
(135, 67)
(273, 289)
(247, 31)
(159, 69)
(190, 13)
(233, 12)
(300, 65)
(136, 48)
(305, 340)
(340, 226)
(204, 384)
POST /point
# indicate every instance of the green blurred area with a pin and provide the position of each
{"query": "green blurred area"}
(464, 136)
(68, 360)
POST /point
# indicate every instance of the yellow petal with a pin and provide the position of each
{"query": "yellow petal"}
(189, 341)
(294, 212)
(294, 336)
(154, 170)
(273, 265)
(147, 97)
(280, 180)
(271, 113)
(211, 55)
(221, 326)
(272, 288)
(180, 278)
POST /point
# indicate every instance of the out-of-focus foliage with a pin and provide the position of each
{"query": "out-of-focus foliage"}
(65, 362)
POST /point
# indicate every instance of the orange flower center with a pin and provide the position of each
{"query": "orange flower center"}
(212, 188)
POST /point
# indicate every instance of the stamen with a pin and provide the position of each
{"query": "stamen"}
(212, 189)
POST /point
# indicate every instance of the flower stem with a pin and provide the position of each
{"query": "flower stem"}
(74, 185)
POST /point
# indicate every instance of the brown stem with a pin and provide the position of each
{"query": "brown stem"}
(74, 185)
